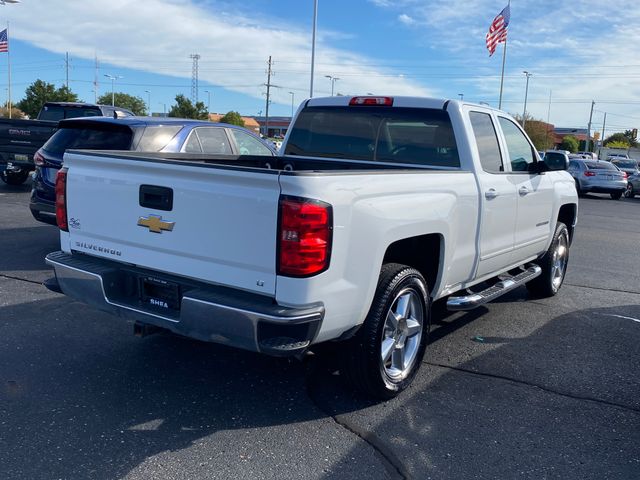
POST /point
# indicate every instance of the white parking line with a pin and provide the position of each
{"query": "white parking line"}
(621, 316)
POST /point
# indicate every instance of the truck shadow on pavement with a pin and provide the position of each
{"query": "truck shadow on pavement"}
(80, 397)
(24, 249)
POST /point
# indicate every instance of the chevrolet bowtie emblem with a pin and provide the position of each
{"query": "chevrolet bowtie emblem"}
(155, 223)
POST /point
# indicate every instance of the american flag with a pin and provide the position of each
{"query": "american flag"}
(498, 30)
(4, 41)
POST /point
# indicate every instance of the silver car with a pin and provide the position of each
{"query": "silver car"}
(598, 176)
(633, 186)
(628, 165)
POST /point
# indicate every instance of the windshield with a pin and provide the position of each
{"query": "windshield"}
(416, 136)
(89, 138)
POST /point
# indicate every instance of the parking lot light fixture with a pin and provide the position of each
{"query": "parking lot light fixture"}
(113, 78)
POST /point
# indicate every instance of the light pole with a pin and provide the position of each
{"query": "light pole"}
(333, 82)
(313, 46)
(148, 101)
(113, 78)
(208, 100)
(292, 97)
(164, 109)
(461, 95)
(526, 92)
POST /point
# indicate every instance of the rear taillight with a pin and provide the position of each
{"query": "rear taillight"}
(365, 101)
(304, 236)
(61, 200)
(38, 159)
(625, 174)
(589, 173)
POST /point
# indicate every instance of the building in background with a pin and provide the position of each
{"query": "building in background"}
(278, 126)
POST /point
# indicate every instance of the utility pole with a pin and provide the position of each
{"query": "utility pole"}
(194, 77)
(604, 124)
(95, 82)
(148, 101)
(268, 85)
(526, 92)
(66, 64)
(292, 97)
(587, 149)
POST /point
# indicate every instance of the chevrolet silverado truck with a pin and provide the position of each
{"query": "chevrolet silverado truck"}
(20, 139)
(375, 208)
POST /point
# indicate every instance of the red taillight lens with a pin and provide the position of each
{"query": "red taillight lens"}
(61, 199)
(304, 237)
(625, 174)
(589, 173)
(383, 101)
(38, 159)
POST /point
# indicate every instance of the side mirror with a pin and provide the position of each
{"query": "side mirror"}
(554, 163)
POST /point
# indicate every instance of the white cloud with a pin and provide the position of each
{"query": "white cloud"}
(159, 35)
(406, 19)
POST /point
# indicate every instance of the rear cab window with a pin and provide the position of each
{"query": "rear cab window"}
(600, 166)
(60, 112)
(410, 136)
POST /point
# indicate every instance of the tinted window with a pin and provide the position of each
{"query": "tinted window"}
(487, 142)
(59, 112)
(396, 135)
(574, 165)
(625, 163)
(600, 166)
(521, 153)
(214, 140)
(89, 138)
(248, 145)
(193, 144)
(155, 139)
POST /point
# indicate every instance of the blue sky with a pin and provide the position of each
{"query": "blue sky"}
(576, 51)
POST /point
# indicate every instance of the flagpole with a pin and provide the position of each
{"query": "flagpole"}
(9, 70)
(504, 57)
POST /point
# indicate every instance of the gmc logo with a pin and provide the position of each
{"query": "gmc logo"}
(16, 131)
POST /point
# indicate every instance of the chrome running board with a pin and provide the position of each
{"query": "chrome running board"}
(473, 300)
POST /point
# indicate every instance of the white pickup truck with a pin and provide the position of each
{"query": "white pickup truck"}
(377, 207)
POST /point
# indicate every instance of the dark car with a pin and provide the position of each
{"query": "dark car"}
(140, 134)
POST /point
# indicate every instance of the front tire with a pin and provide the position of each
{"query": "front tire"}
(14, 177)
(385, 355)
(629, 192)
(554, 265)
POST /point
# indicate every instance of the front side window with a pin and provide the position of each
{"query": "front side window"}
(487, 142)
(521, 153)
(248, 145)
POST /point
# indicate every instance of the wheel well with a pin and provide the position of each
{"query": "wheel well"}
(567, 215)
(421, 253)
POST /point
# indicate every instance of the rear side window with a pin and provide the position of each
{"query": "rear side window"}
(88, 138)
(213, 140)
(60, 112)
(155, 139)
(487, 142)
(417, 136)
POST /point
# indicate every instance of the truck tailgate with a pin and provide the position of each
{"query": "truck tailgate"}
(221, 226)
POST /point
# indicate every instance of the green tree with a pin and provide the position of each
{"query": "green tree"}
(40, 92)
(617, 144)
(233, 118)
(569, 143)
(124, 100)
(632, 140)
(184, 108)
(620, 138)
(540, 133)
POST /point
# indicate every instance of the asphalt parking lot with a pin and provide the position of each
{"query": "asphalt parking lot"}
(519, 389)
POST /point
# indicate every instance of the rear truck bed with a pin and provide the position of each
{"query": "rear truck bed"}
(201, 247)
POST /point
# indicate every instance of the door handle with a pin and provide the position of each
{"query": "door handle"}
(490, 194)
(523, 191)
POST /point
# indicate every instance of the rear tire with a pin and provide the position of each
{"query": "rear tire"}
(616, 196)
(578, 189)
(13, 177)
(554, 265)
(386, 353)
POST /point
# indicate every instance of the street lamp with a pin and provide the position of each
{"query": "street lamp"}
(292, 97)
(208, 100)
(164, 109)
(148, 101)
(526, 92)
(113, 78)
(333, 82)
